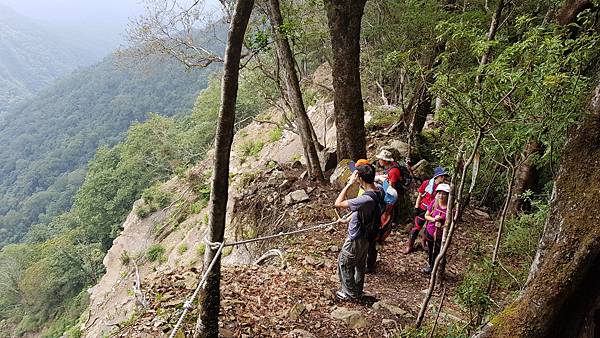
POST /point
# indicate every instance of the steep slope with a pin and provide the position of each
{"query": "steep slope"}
(46, 141)
(32, 56)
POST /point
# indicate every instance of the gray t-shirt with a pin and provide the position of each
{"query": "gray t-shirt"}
(362, 208)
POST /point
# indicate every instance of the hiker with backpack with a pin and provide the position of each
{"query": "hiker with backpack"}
(397, 176)
(426, 196)
(361, 229)
(436, 218)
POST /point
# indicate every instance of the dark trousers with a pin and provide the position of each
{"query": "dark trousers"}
(419, 223)
(372, 256)
(433, 248)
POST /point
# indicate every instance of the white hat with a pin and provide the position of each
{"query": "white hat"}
(443, 187)
(385, 155)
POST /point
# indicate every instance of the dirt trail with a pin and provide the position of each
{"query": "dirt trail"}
(298, 300)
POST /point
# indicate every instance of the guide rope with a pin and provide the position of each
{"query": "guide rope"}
(187, 305)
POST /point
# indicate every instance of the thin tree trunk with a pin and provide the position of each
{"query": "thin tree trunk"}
(452, 219)
(562, 294)
(525, 177)
(294, 93)
(491, 35)
(570, 9)
(344, 21)
(219, 186)
(420, 104)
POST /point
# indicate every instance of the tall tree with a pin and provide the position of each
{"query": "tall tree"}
(562, 294)
(294, 94)
(344, 20)
(220, 185)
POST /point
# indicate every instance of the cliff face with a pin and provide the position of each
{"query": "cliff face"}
(179, 228)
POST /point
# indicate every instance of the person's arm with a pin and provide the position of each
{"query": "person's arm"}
(428, 216)
(418, 202)
(341, 201)
(420, 195)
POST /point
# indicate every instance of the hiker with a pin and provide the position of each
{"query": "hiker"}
(424, 199)
(436, 218)
(352, 258)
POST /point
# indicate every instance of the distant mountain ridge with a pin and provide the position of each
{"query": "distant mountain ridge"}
(46, 141)
(33, 56)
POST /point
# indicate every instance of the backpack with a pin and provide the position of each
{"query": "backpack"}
(406, 177)
(378, 226)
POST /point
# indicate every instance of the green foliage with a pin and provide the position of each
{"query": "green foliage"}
(200, 249)
(125, 258)
(275, 134)
(155, 252)
(182, 248)
(472, 292)
(252, 148)
(227, 251)
(382, 118)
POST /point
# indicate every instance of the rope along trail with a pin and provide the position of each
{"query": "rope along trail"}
(219, 246)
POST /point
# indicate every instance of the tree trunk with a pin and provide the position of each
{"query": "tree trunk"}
(562, 295)
(344, 20)
(293, 92)
(525, 177)
(419, 105)
(491, 35)
(570, 9)
(219, 186)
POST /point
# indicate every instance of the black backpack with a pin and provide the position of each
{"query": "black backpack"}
(374, 229)
(406, 180)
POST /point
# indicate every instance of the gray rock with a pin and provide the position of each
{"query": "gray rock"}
(296, 311)
(354, 319)
(328, 158)
(334, 248)
(297, 196)
(340, 177)
(190, 280)
(381, 305)
(389, 322)
(423, 170)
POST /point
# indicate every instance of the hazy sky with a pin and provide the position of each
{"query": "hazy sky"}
(108, 17)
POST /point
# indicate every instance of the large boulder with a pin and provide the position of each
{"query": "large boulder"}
(328, 158)
(423, 170)
(354, 319)
(340, 177)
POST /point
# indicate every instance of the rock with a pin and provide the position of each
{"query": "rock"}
(423, 170)
(389, 307)
(190, 280)
(311, 260)
(297, 165)
(340, 177)
(354, 319)
(310, 189)
(275, 177)
(296, 311)
(299, 333)
(389, 322)
(297, 196)
(328, 158)
(285, 185)
(399, 149)
(482, 213)
(334, 248)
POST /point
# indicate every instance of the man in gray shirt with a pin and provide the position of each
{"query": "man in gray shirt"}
(352, 259)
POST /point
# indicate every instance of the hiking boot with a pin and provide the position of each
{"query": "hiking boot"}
(341, 295)
(409, 246)
(426, 270)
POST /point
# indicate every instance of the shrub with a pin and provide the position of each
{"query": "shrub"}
(155, 252)
(125, 258)
(275, 134)
(227, 251)
(182, 248)
(200, 249)
(252, 148)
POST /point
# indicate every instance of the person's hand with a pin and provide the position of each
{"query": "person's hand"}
(343, 221)
(438, 218)
(353, 178)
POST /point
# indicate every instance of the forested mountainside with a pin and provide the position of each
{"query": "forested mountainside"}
(46, 141)
(32, 56)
